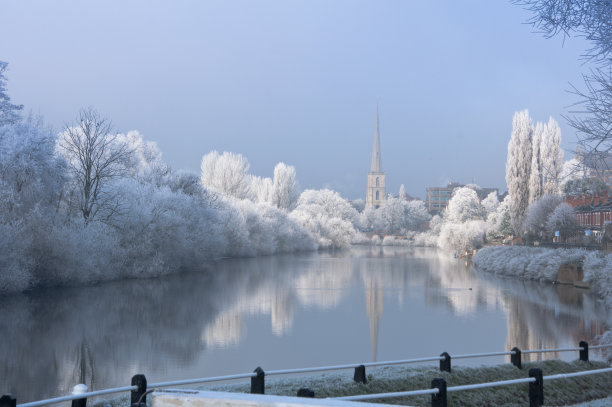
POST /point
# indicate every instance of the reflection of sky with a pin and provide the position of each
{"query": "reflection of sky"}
(281, 312)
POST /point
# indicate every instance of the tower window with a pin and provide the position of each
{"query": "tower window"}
(377, 192)
(377, 184)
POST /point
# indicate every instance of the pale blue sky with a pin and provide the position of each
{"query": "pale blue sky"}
(297, 81)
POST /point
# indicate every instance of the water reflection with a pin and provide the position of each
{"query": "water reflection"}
(279, 311)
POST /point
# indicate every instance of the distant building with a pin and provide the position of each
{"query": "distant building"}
(592, 211)
(438, 197)
(376, 191)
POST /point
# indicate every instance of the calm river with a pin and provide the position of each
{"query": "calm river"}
(277, 312)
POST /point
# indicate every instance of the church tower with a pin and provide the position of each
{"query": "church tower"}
(376, 193)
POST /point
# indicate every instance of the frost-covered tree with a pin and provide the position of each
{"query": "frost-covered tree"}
(358, 204)
(536, 217)
(398, 216)
(562, 219)
(462, 237)
(498, 222)
(552, 158)
(9, 113)
(584, 186)
(518, 166)
(490, 203)
(463, 206)
(285, 189)
(95, 157)
(327, 216)
(226, 173)
(536, 175)
(261, 189)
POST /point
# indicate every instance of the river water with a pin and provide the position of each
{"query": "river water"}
(286, 311)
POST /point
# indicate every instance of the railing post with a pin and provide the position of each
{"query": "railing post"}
(305, 392)
(445, 364)
(360, 374)
(138, 395)
(516, 358)
(536, 389)
(584, 353)
(80, 389)
(438, 400)
(258, 382)
(8, 401)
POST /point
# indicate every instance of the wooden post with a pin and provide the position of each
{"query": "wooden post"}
(584, 353)
(516, 358)
(8, 401)
(360, 374)
(138, 395)
(445, 364)
(438, 400)
(258, 382)
(536, 389)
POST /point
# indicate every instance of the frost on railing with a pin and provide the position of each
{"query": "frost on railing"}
(139, 388)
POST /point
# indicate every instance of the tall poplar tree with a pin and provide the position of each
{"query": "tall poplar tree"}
(518, 168)
(552, 158)
(536, 177)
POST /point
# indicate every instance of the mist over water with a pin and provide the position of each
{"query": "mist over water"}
(284, 311)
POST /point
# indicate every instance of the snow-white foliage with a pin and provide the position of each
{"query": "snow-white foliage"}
(461, 237)
(562, 219)
(490, 203)
(261, 189)
(463, 206)
(330, 218)
(285, 190)
(584, 186)
(571, 170)
(498, 222)
(518, 166)
(526, 262)
(226, 173)
(536, 176)
(397, 216)
(538, 213)
(358, 204)
(145, 159)
(552, 157)
(164, 222)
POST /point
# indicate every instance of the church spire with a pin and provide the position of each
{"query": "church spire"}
(376, 150)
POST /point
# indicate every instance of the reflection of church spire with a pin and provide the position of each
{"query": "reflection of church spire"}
(374, 309)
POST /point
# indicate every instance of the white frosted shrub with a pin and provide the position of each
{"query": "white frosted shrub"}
(461, 237)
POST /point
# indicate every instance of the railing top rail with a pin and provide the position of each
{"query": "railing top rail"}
(552, 350)
(479, 355)
(490, 384)
(389, 395)
(576, 374)
(600, 346)
(77, 396)
(202, 380)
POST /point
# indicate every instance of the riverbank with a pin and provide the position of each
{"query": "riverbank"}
(543, 264)
(401, 378)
